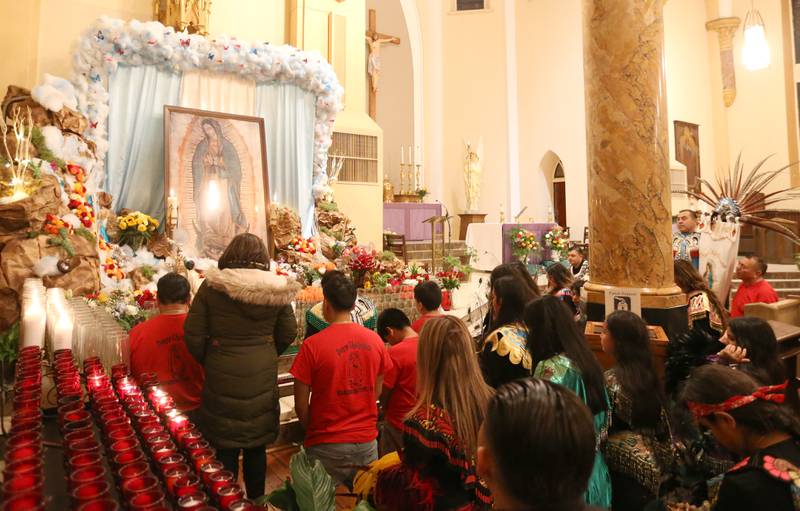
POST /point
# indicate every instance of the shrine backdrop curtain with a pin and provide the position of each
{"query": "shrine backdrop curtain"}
(288, 113)
(135, 159)
(217, 92)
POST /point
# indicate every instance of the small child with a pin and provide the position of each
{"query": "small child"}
(428, 299)
(399, 386)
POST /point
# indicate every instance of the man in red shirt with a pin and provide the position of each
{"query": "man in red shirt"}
(400, 384)
(754, 289)
(157, 345)
(427, 298)
(341, 368)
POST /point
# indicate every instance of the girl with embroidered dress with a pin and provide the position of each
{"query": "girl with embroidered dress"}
(513, 269)
(504, 355)
(751, 346)
(638, 451)
(440, 434)
(756, 423)
(562, 356)
(559, 281)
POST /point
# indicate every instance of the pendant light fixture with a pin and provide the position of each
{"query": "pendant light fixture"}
(755, 51)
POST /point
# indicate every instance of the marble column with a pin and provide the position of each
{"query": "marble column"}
(630, 216)
(726, 28)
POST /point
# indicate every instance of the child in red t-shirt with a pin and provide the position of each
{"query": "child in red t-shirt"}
(400, 384)
(157, 345)
(341, 369)
(428, 299)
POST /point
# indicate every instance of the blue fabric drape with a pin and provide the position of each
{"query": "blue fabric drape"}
(289, 114)
(135, 158)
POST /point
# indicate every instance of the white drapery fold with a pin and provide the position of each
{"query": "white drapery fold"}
(135, 159)
(289, 116)
(218, 92)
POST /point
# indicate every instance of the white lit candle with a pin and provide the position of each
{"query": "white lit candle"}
(34, 322)
(402, 155)
(62, 333)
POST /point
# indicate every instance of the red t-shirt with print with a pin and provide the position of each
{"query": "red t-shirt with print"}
(402, 379)
(157, 346)
(342, 364)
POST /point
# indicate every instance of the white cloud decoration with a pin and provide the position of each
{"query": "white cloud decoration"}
(110, 42)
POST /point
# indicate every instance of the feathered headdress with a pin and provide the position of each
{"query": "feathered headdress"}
(742, 197)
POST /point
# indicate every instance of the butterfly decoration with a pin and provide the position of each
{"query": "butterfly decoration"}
(186, 42)
(100, 35)
(742, 196)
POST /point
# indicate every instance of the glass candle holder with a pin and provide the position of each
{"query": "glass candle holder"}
(145, 501)
(88, 445)
(79, 461)
(243, 505)
(78, 435)
(182, 430)
(136, 469)
(174, 473)
(186, 485)
(123, 445)
(23, 467)
(90, 491)
(89, 474)
(27, 414)
(208, 468)
(192, 501)
(22, 483)
(24, 452)
(195, 446)
(21, 438)
(192, 436)
(127, 457)
(76, 425)
(122, 424)
(133, 485)
(167, 462)
(122, 433)
(162, 449)
(217, 480)
(24, 502)
(100, 505)
(153, 431)
(201, 456)
(229, 494)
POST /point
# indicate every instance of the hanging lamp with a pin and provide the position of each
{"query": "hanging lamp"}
(755, 50)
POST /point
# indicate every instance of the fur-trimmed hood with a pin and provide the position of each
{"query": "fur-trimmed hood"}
(253, 286)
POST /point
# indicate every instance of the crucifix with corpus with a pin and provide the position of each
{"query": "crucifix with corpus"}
(374, 40)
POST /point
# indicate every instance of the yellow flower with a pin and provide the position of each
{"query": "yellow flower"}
(131, 222)
(154, 222)
(142, 228)
(102, 298)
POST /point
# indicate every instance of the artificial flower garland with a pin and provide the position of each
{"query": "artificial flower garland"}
(110, 42)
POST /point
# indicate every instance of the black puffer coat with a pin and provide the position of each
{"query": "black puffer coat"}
(239, 322)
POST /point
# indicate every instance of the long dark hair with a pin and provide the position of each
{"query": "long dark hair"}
(561, 276)
(690, 281)
(635, 369)
(542, 438)
(757, 337)
(525, 277)
(715, 383)
(512, 295)
(552, 330)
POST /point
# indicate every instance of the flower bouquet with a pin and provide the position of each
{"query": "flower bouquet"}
(136, 229)
(304, 246)
(523, 244)
(557, 240)
(449, 281)
(123, 305)
(362, 262)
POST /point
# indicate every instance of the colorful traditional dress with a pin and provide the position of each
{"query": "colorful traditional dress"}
(435, 473)
(365, 313)
(504, 356)
(770, 479)
(703, 315)
(641, 455)
(560, 369)
(686, 245)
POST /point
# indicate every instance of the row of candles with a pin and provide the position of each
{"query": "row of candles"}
(45, 312)
(23, 474)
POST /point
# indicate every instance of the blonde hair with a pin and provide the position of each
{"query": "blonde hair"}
(448, 376)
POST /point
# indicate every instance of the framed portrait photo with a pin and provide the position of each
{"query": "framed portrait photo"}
(217, 184)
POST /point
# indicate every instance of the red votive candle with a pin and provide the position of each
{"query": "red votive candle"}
(191, 436)
(228, 494)
(217, 480)
(24, 438)
(152, 431)
(174, 473)
(121, 424)
(128, 457)
(163, 403)
(208, 468)
(162, 449)
(193, 501)
(100, 505)
(186, 485)
(77, 435)
(89, 474)
(196, 445)
(136, 469)
(24, 452)
(25, 426)
(88, 445)
(27, 414)
(22, 403)
(173, 423)
(88, 459)
(147, 500)
(30, 466)
(108, 411)
(124, 445)
(143, 421)
(24, 502)
(140, 484)
(167, 462)
(22, 483)
(201, 456)
(182, 430)
(242, 505)
(90, 491)
(73, 413)
(121, 433)
(76, 425)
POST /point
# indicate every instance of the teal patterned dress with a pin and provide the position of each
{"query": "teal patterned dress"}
(559, 369)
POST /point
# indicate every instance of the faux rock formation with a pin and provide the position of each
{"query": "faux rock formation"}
(284, 225)
(29, 214)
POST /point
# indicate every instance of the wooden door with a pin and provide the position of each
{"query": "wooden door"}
(560, 202)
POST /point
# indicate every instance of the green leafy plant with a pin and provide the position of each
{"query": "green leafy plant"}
(310, 487)
(9, 345)
(327, 206)
(38, 142)
(421, 193)
(381, 280)
(62, 240)
(388, 255)
(147, 271)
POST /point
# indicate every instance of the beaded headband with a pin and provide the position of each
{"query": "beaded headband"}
(772, 393)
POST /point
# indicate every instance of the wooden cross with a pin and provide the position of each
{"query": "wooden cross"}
(374, 41)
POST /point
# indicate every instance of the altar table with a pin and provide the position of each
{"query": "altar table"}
(407, 219)
(492, 245)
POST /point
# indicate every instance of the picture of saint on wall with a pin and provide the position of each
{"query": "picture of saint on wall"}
(217, 175)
